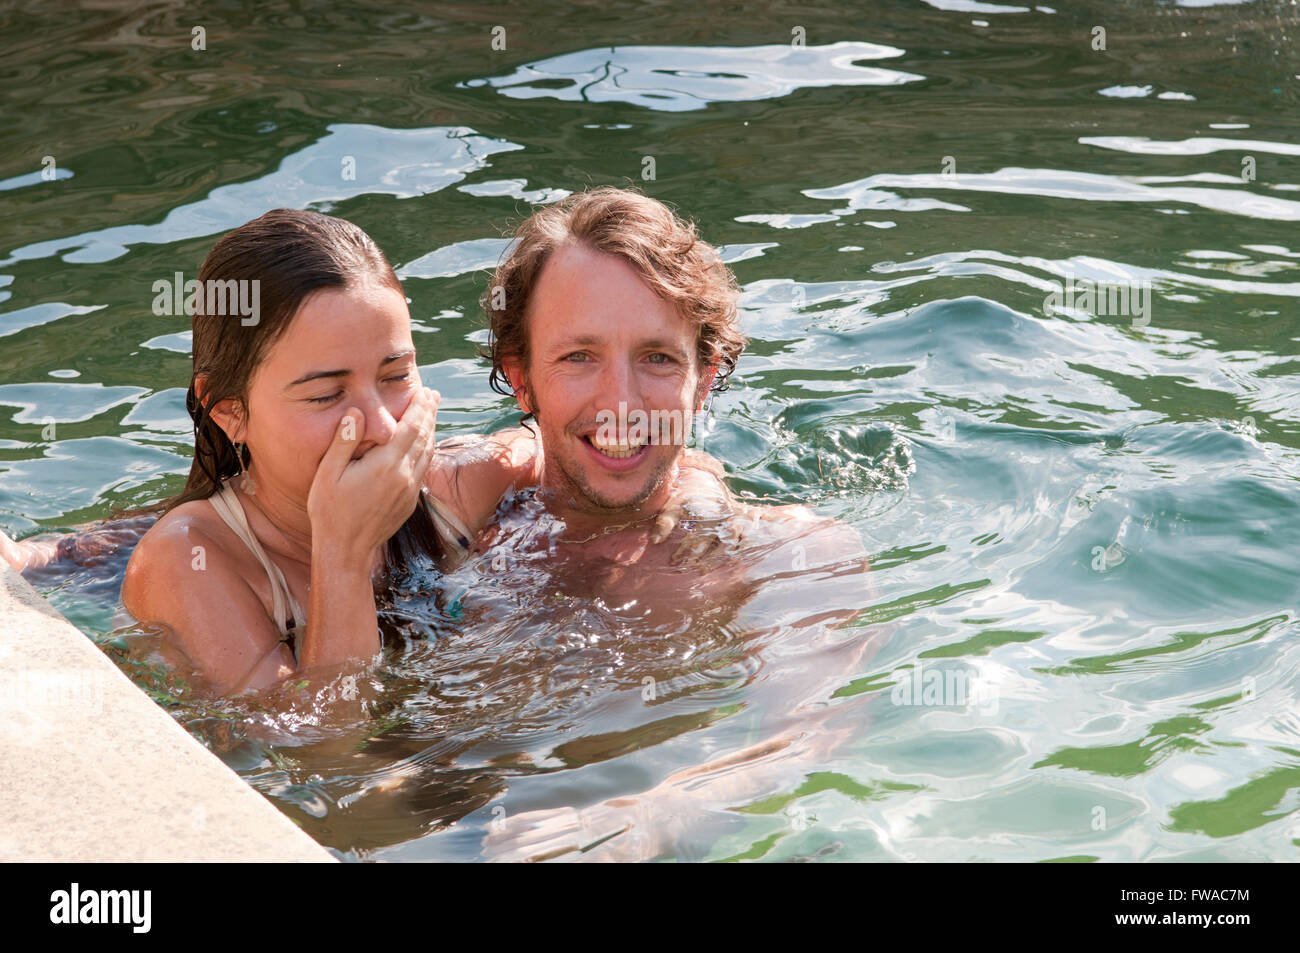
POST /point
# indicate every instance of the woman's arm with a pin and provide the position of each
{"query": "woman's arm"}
(184, 584)
(182, 580)
(89, 546)
(472, 473)
(29, 553)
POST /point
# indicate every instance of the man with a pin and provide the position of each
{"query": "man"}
(611, 324)
(608, 299)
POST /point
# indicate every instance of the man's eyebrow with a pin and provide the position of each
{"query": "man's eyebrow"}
(589, 340)
(664, 345)
(317, 375)
(582, 340)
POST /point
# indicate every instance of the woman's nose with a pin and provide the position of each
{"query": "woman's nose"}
(383, 423)
(380, 424)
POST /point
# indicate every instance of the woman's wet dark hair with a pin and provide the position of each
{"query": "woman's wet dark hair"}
(291, 254)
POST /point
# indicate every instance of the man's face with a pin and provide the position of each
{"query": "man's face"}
(599, 337)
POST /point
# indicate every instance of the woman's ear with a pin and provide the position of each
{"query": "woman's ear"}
(514, 369)
(228, 413)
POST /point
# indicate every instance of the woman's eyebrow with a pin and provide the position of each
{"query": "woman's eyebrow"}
(317, 375)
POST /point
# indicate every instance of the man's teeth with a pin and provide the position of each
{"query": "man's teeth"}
(618, 451)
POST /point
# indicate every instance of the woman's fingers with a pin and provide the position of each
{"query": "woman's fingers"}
(428, 421)
(430, 435)
(351, 429)
(372, 496)
(416, 423)
(416, 437)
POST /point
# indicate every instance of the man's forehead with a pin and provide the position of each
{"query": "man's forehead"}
(587, 297)
(616, 328)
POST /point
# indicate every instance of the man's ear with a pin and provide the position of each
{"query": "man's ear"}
(228, 413)
(514, 369)
(706, 382)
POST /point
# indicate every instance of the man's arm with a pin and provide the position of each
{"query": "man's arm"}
(472, 473)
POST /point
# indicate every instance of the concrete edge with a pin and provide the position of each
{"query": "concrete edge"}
(94, 770)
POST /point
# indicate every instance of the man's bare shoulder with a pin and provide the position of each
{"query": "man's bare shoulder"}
(702, 494)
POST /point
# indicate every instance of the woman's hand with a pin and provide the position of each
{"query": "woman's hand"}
(12, 553)
(29, 554)
(356, 505)
(699, 493)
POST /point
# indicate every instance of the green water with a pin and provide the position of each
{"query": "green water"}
(1094, 517)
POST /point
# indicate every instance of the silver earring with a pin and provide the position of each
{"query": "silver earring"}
(248, 484)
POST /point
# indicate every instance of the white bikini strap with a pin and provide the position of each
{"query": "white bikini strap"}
(228, 507)
(449, 526)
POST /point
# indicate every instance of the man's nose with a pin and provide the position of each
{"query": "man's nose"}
(619, 384)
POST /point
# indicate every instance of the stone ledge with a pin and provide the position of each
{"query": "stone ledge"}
(94, 771)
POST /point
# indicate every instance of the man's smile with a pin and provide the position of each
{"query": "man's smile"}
(616, 457)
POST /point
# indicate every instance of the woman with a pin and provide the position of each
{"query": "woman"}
(313, 438)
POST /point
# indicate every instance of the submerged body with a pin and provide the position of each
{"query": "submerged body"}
(609, 658)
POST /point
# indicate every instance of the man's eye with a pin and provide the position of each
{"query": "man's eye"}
(328, 399)
(659, 357)
(577, 357)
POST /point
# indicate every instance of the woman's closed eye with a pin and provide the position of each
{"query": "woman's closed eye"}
(330, 398)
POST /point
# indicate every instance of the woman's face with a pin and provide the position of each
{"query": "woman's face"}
(344, 348)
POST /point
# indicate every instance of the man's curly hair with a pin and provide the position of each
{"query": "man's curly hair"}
(677, 265)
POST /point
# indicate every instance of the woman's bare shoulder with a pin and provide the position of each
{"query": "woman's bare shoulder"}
(182, 540)
(192, 519)
(192, 579)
